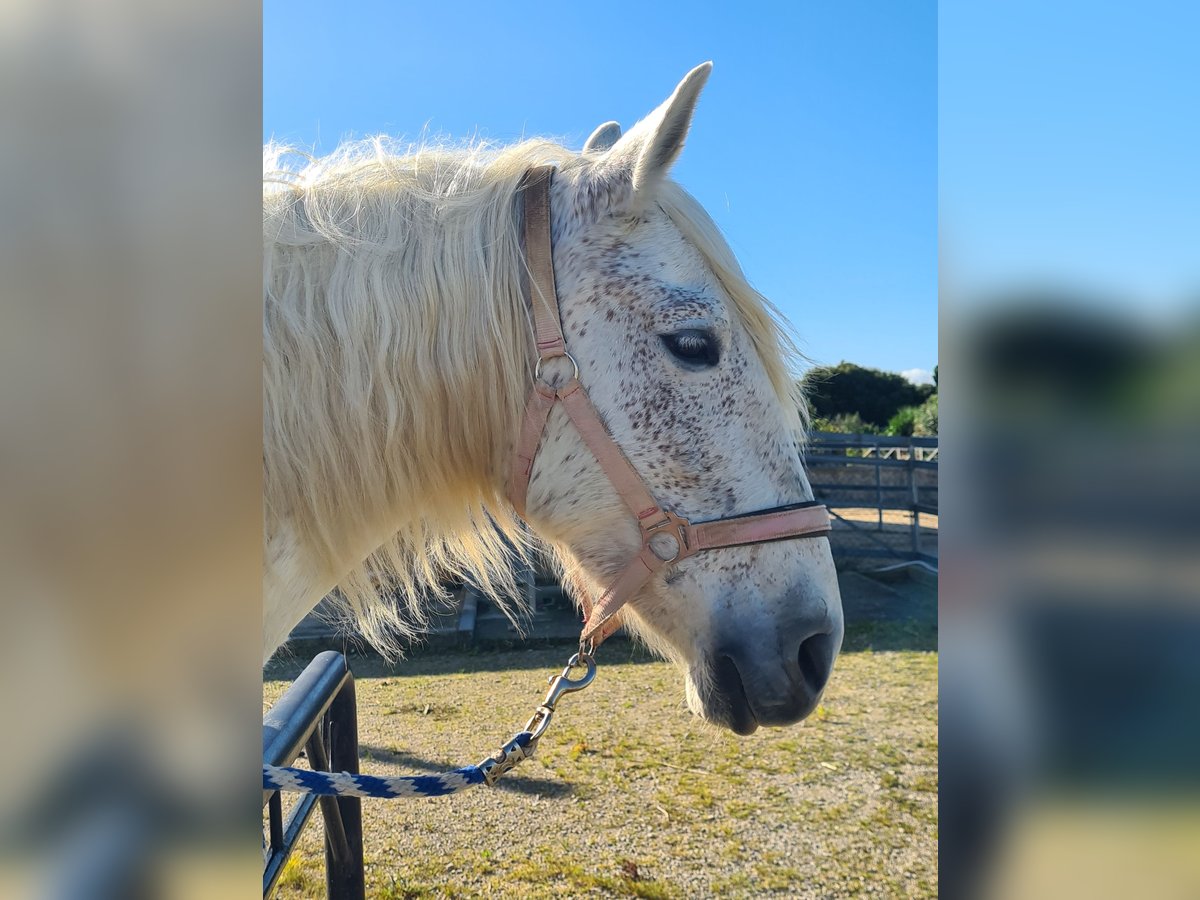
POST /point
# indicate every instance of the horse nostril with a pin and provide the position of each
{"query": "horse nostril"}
(816, 661)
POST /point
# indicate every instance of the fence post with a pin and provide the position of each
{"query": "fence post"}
(914, 499)
(344, 879)
(878, 491)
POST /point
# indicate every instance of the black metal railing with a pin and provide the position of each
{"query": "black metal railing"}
(317, 714)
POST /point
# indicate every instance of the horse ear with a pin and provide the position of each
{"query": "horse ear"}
(602, 138)
(643, 154)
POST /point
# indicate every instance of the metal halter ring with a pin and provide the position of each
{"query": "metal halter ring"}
(537, 369)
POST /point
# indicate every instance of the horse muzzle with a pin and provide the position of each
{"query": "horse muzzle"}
(752, 685)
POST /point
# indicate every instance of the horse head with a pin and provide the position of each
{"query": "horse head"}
(687, 367)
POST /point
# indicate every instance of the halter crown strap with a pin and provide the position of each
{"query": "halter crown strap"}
(539, 263)
(551, 344)
(679, 538)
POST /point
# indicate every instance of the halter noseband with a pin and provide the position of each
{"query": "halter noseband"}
(677, 538)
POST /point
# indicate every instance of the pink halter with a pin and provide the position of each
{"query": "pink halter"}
(683, 539)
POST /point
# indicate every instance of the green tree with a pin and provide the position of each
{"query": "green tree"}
(847, 388)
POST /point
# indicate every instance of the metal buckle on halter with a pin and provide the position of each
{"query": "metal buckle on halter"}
(670, 526)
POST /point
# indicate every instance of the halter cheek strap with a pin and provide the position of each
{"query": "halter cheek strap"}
(666, 537)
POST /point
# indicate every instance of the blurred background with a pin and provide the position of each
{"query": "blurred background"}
(1070, 478)
(130, 448)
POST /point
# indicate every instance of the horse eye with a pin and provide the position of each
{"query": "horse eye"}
(693, 347)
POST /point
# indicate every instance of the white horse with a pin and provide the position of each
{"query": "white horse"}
(398, 356)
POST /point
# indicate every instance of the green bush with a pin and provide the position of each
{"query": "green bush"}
(903, 422)
(926, 424)
(845, 423)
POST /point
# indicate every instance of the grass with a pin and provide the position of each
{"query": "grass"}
(631, 796)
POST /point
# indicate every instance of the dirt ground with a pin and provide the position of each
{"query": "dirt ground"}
(630, 795)
(857, 529)
(870, 516)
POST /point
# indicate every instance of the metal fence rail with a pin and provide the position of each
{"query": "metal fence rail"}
(316, 714)
(880, 472)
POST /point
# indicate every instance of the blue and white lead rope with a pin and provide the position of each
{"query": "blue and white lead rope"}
(347, 784)
(520, 748)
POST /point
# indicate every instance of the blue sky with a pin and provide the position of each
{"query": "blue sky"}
(814, 147)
